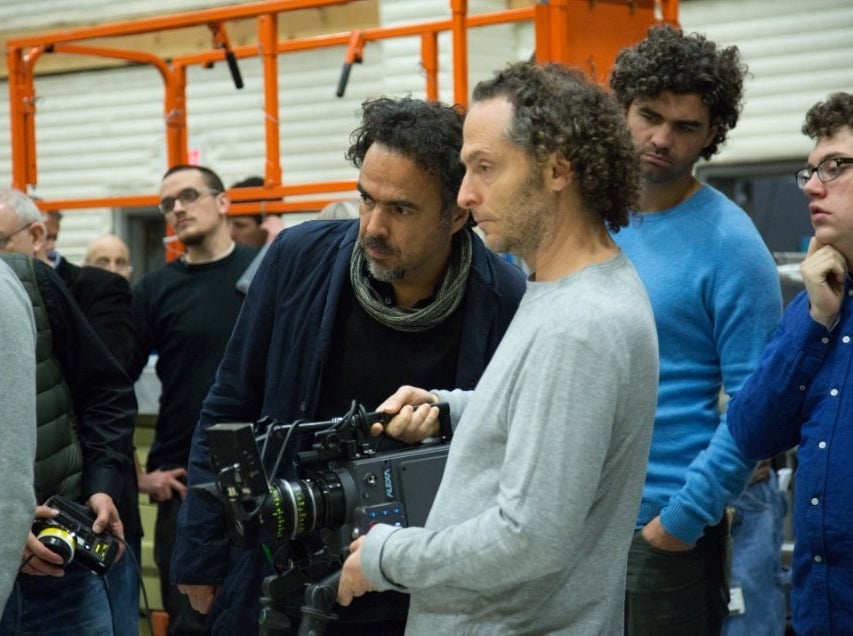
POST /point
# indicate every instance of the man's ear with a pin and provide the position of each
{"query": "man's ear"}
(224, 203)
(38, 236)
(558, 172)
(458, 218)
(712, 132)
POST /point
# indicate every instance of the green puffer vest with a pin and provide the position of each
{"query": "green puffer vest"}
(59, 460)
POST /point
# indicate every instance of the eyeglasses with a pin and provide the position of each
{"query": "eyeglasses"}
(5, 239)
(185, 196)
(827, 170)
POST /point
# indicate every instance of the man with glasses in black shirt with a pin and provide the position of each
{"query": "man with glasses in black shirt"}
(184, 312)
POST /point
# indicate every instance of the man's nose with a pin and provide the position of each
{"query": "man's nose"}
(662, 137)
(375, 222)
(178, 206)
(814, 186)
(467, 198)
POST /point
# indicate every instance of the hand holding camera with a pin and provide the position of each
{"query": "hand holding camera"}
(64, 532)
(415, 415)
(37, 559)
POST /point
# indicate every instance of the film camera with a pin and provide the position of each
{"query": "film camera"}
(70, 535)
(340, 485)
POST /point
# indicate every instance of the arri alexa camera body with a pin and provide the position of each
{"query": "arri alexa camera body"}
(305, 490)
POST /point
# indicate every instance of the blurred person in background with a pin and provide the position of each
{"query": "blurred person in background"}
(254, 230)
(184, 312)
(52, 220)
(109, 252)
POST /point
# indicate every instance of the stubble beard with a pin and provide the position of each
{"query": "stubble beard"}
(675, 171)
(526, 241)
(385, 274)
(191, 237)
(524, 236)
(398, 273)
(380, 273)
(660, 176)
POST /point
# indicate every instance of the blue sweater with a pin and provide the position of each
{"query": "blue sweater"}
(802, 394)
(715, 294)
(273, 367)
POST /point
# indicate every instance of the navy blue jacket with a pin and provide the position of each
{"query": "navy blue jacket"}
(273, 366)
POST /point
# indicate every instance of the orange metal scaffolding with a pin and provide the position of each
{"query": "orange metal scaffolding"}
(584, 33)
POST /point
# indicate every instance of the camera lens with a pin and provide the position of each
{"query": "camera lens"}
(60, 541)
(294, 508)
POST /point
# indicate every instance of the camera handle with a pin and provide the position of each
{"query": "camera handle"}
(273, 619)
(320, 598)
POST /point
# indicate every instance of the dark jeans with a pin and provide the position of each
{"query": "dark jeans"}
(123, 588)
(183, 619)
(678, 593)
(72, 605)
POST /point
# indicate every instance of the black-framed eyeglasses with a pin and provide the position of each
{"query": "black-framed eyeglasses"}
(827, 170)
(5, 239)
(185, 196)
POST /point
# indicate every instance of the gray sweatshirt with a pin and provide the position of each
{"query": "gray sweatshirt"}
(530, 528)
(18, 424)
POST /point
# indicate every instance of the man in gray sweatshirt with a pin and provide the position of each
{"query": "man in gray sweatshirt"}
(531, 525)
(18, 404)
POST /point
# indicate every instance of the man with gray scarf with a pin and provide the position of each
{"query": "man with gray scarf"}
(349, 310)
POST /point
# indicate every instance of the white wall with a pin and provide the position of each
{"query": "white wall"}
(797, 52)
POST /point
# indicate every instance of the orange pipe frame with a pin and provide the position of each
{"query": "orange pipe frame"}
(268, 38)
(220, 36)
(552, 20)
(355, 48)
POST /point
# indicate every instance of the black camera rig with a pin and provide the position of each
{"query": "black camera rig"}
(336, 484)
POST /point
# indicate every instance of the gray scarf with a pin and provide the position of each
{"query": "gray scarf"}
(412, 319)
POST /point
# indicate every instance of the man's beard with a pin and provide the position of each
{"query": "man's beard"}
(661, 175)
(191, 238)
(531, 221)
(385, 274)
(380, 273)
(658, 176)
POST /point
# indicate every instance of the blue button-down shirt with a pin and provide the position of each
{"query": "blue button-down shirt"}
(802, 395)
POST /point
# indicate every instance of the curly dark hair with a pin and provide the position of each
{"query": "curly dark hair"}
(559, 110)
(428, 133)
(825, 118)
(669, 60)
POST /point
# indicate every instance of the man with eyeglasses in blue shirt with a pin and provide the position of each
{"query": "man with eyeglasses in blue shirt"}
(185, 311)
(801, 394)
